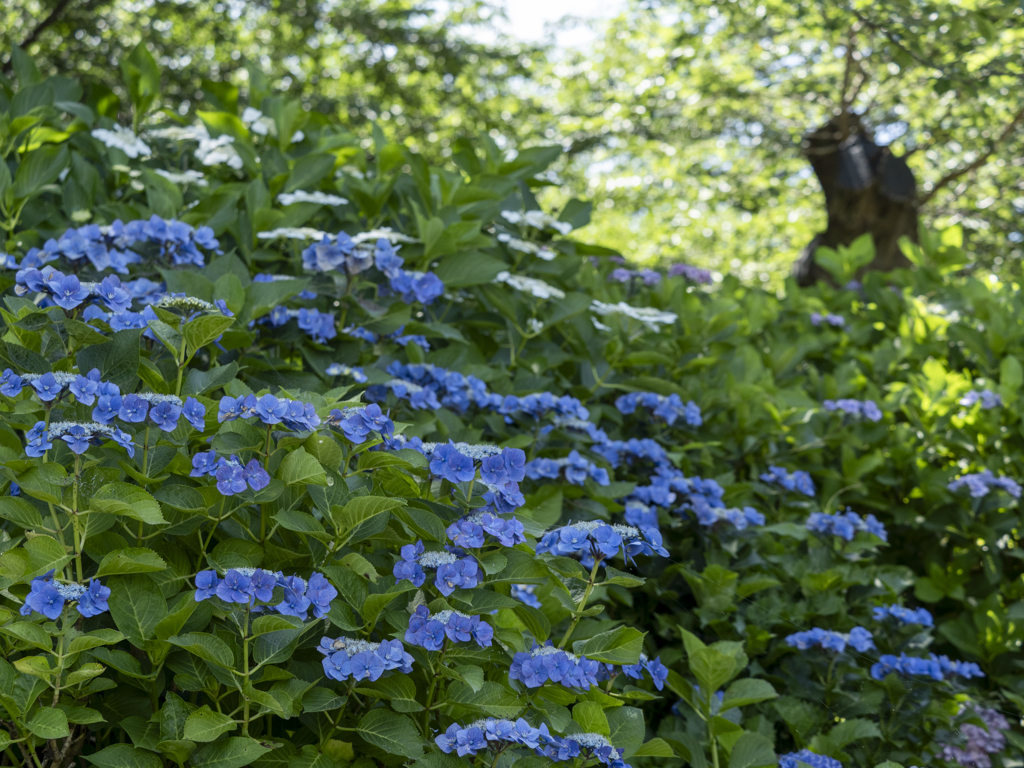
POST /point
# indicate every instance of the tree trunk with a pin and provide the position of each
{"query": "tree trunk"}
(867, 190)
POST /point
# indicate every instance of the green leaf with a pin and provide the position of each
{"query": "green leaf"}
(747, 691)
(203, 330)
(49, 723)
(233, 752)
(626, 728)
(128, 501)
(299, 468)
(712, 668)
(123, 756)
(40, 167)
(309, 170)
(619, 646)
(361, 509)
(392, 732)
(400, 690)
(136, 606)
(206, 725)
(131, 560)
(95, 639)
(206, 646)
(655, 748)
(751, 750)
(591, 718)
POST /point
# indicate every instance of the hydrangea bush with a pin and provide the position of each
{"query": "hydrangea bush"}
(314, 455)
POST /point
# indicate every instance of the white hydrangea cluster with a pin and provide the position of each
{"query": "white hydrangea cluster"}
(530, 285)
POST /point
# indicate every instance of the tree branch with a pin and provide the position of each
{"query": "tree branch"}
(978, 162)
(55, 14)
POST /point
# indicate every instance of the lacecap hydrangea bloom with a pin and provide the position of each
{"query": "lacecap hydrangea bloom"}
(740, 519)
(361, 424)
(453, 569)
(866, 409)
(545, 662)
(836, 321)
(292, 414)
(857, 638)
(799, 481)
(986, 397)
(47, 597)
(78, 436)
(807, 759)
(575, 468)
(977, 743)
(903, 615)
(934, 667)
(232, 476)
(595, 539)
(347, 657)
(469, 532)
(249, 586)
(982, 483)
(429, 630)
(668, 408)
(845, 525)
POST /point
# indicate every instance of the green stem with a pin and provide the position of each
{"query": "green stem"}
(245, 657)
(714, 745)
(79, 535)
(583, 604)
(433, 687)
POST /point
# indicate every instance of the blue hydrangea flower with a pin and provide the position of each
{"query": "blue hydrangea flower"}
(206, 585)
(935, 667)
(807, 759)
(44, 598)
(447, 462)
(858, 638)
(667, 408)
(845, 525)
(37, 440)
(320, 593)
(165, 415)
(93, 601)
(67, 292)
(903, 615)
(545, 662)
(982, 483)
(866, 409)
(987, 398)
(429, 631)
(85, 388)
(195, 413)
(47, 387)
(11, 383)
(134, 409)
(346, 657)
(836, 321)
(799, 480)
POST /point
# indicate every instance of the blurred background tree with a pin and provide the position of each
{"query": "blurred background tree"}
(686, 121)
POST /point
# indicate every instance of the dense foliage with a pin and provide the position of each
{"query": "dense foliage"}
(321, 456)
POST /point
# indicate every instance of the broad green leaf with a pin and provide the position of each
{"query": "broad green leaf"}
(619, 646)
(128, 501)
(49, 723)
(131, 560)
(206, 725)
(591, 718)
(123, 756)
(361, 509)
(390, 731)
(206, 646)
(747, 691)
(233, 752)
(751, 750)
(299, 468)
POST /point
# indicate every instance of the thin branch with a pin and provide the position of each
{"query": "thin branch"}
(55, 14)
(978, 162)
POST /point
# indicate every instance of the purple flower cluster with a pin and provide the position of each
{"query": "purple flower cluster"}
(498, 735)
(836, 321)
(740, 519)
(342, 252)
(982, 483)
(978, 743)
(249, 585)
(575, 468)
(347, 657)
(845, 525)
(68, 292)
(78, 435)
(654, 667)
(866, 409)
(319, 326)
(340, 369)
(623, 275)
(453, 570)
(935, 667)
(807, 759)
(986, 397)
(107, 247)
(545, 662)
(693, 274)
(47, 597)
(231, 475)
(668, 408)
(360, 424)
(903, 615)
(858, 638)
(596, 539)
(429, 631)
(468, 532)
(293, 414)
(799, 480)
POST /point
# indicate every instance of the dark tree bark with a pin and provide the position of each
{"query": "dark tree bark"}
(868, 190)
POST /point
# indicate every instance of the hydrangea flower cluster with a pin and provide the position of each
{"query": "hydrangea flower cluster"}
(430, 386)
(319, 326)
(231, 475)
(430, 630)
(857, 638)
(538, 220)
(978, 742)
(935, 667)
(575, 468)
(650, 317)
(866, 409)
(654, 667)
(78, 435)
(799, 480)
(359, 424)
(807, 759)
(668, 408)
(845, 525)
(596, 539)
(740, 519)
(341, 251)
(468, 532)
(293, 414)
(340, 369)
(249, 585)
(452, 569)
(545, 662)
(982, 483)
(347, 657)
(526, 593)
(903, 615)
(47, 596)
(836, 321)
(623, 275)
(986, 397)
(108, 247)
(493, 734)
(693, 274)
(68, 292)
